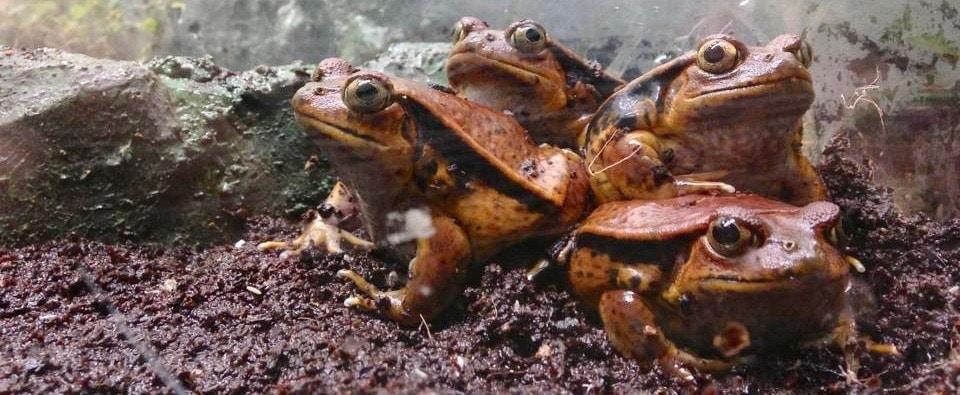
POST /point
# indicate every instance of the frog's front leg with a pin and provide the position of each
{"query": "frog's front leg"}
(592, 273)
(637, 169)
(323, 228)
(632, 329)
(436, 278)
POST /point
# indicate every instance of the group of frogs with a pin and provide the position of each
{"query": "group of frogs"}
(696, 228)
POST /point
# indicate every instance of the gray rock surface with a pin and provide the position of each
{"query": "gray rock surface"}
(417, 61)
(175, 150)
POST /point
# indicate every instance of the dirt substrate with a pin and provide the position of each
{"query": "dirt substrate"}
(79, 316)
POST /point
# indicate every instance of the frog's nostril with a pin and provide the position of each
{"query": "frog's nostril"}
(489, 37)
(789, 245)
(768, 57)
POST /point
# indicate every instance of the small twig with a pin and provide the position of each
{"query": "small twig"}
(424, 324)
(861, 94)
(615, 164)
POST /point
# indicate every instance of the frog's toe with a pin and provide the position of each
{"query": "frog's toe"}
(289, 249)
(882, 348)
(360, 302)
(273, 245)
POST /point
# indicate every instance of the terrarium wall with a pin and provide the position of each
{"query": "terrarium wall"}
(885, 71)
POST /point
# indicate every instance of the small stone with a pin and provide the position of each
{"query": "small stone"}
(169, 285)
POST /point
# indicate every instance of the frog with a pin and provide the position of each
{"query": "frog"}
(705, 281)
(437, 180)
(342, 213)
(550, 89)
(722, 118)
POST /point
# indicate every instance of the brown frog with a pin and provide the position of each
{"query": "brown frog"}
(723, 117)
(436, 179)
(546, 86)
(699, 281)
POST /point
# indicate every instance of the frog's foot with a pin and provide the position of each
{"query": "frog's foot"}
(436, 276)
(317, 232)
(632, 329)
(373, 299)
(845, 336)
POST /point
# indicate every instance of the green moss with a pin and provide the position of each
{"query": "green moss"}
(937, 43)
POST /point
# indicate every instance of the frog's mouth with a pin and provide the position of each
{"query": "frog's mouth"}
(345, 136)
(722, 284)
(462, 64)
(793, 84)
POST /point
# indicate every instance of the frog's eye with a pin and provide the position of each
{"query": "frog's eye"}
(717, 56)
(458, 32)
(366, 94)
(528, 37)
(729, 237)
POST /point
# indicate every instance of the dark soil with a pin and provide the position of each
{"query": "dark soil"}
(78, 316)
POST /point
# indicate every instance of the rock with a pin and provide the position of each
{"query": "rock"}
(175, 150)
(417, 61)
(86, 145)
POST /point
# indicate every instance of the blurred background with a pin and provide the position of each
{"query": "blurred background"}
(899, 57)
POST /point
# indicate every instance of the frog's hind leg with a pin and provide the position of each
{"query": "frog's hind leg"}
(323, 229)
(632, 329)
(436, 277)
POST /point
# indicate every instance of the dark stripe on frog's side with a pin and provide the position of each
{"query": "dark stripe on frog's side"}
(456, 151)
(622, 111)
(661, 253)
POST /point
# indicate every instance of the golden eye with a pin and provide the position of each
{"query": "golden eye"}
(366, 94)
(458, 32)
(528, 37)
(717, 56)
(728, 237)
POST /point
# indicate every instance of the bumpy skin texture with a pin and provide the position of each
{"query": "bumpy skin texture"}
(666, 294)
(549, 89)
(682, 129)
(484, 184)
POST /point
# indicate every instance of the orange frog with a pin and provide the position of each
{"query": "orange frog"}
(434, 178)
(722, 118)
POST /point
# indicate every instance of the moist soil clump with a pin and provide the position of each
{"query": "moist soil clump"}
(80, 316)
